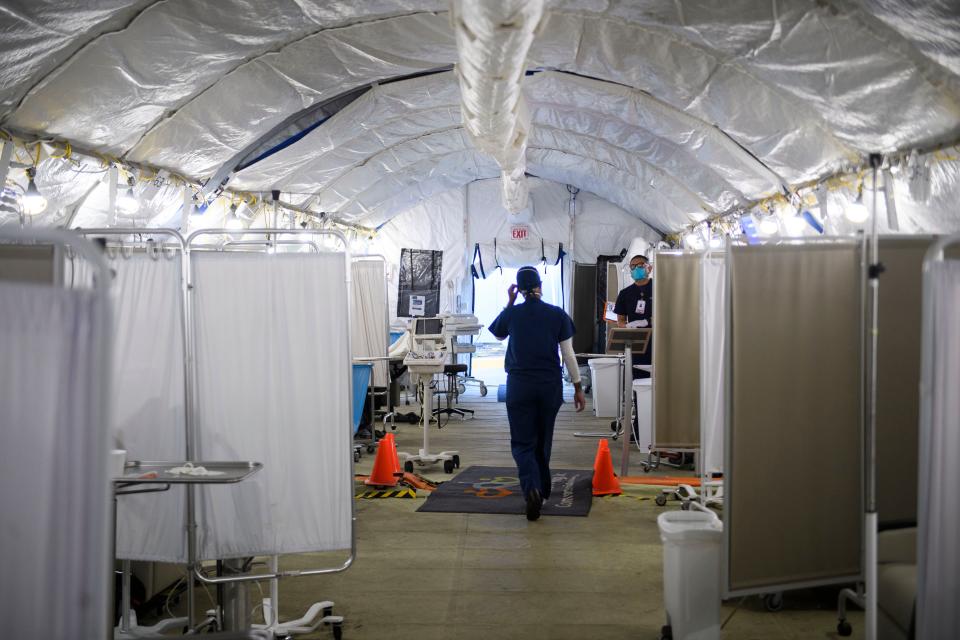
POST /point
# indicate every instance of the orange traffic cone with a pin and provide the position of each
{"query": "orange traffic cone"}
(605, 483)
(397, 469)
(383, 474)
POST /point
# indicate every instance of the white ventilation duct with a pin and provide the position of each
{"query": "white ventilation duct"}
(493, 39)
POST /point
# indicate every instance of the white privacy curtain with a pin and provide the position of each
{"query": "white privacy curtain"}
(55, 521)
(369, 333)
(713, 329)
(148, 399)
(938, 586)
(273, 386)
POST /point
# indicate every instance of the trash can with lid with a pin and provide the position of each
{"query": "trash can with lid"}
(691, 573)
(605, 382)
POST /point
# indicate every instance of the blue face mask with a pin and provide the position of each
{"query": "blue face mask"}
(639, 273)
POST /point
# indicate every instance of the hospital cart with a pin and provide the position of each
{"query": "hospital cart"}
(427, 358)
(155, 477)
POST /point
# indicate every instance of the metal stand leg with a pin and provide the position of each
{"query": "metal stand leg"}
(236, 605)
(450, 459)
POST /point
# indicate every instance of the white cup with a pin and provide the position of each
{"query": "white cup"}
(118, 460)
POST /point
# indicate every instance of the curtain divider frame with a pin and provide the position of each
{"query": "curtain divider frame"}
(728, 484)
(188, 307)
(935, 254)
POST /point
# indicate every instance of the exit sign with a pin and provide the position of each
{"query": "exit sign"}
(519, 231)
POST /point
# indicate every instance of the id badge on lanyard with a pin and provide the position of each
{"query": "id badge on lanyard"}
(641, 306)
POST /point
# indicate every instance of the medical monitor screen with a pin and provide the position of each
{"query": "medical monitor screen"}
(429, 327)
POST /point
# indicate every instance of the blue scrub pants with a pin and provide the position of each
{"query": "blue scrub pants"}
(532, 406)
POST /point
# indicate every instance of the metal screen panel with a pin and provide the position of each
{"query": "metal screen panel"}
(28, 263)
(794, 476)
(676, 351)
(898, 378)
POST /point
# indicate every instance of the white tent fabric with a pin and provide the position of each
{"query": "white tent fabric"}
(273, 385)
(55, 522)
(938, 560)
(699, 105)
(148, 399)
(713, 330)
(436, 224)
(369, 316)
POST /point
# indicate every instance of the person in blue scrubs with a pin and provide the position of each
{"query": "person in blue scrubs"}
(538, 333)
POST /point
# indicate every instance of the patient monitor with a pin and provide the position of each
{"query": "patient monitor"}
(428, 346)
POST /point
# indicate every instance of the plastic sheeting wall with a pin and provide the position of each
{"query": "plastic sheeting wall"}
(273, 385)
(938, 561)
(794, 473)
(148, 401)
(369, 315)
(676, 351)
(55, 522)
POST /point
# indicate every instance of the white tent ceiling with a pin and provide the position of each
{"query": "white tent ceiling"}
(683, 109)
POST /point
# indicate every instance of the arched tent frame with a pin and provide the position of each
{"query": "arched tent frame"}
(878, 82)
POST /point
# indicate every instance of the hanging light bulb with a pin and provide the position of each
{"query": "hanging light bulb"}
(768, 226)
(794, 225)
(33, 201)
(856, 211)
(693, 241)
(127, 202)
(234, 223)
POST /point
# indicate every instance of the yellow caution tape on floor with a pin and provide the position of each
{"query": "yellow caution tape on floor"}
(374, 494)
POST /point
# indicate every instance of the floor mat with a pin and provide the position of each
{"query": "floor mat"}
(497, 490)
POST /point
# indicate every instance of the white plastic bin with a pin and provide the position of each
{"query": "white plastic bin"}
(604, 380)
(643, 397)
(691, 573)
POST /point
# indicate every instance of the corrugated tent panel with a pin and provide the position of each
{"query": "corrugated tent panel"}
(676, 351)
(794, 473)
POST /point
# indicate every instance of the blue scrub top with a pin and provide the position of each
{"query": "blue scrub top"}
(536, 330)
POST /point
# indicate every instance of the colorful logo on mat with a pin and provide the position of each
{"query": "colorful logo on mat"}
(498, 487)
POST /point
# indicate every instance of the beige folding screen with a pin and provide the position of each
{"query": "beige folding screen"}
(29, 263)
(676, 351)
(794, 477)
(898, 378)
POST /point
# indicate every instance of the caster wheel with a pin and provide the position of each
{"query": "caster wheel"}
(456, 461)
(661, 500)
(461, 389)
(773, 602)
(370, 448)
(685, 506)
(408, 466)
(483, 390)
(646, 469)
(356, 456)
(337, 632)
(666, 632)
(448, 466)
(844, 628)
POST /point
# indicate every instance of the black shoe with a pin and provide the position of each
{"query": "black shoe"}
(534, 502)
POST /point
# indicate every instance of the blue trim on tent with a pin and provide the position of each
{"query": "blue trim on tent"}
(282, 145)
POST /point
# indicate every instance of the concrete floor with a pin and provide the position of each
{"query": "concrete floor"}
(426, 575)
